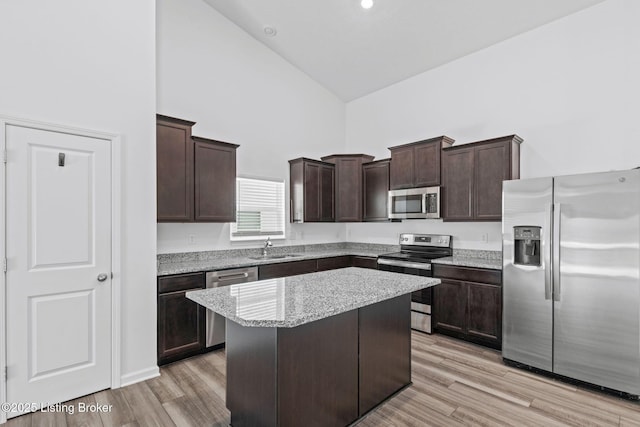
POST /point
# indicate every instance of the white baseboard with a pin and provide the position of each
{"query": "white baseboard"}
(141, 375)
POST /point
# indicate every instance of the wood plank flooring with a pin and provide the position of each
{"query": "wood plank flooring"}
(454, 384)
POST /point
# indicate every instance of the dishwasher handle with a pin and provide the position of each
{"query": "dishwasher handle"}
(215, 279)
(233, 276)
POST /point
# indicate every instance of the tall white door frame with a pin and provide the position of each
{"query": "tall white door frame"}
(115, 142)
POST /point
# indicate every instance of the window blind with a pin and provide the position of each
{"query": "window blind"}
(259, 209)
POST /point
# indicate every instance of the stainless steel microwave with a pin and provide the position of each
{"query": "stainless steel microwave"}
(414, 203)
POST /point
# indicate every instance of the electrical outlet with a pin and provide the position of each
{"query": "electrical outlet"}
(485, 237)
(191, 238)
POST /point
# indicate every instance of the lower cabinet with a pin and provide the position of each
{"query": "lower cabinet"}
(291, 268)
(284, 269)
(181, 322)
(365, 262)
(450, 304)
(468, 304)
(332, 263)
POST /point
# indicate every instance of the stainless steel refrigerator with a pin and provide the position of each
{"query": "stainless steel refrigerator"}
(571, 276)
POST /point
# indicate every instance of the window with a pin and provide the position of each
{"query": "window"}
(259, 209)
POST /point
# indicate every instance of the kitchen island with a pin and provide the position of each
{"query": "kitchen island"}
(319, 349)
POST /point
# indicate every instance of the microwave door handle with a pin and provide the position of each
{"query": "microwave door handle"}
(424, 203)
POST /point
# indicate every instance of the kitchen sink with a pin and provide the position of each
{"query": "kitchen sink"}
(275, 256)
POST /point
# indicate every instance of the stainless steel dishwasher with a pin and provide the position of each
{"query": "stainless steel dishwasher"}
(216, 279)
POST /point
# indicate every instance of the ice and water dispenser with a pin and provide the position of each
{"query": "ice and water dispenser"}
(526, 240)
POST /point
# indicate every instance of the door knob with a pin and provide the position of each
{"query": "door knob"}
(102, 277)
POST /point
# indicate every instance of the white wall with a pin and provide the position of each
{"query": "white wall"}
(91, 65)
(237, 90)
(569, 88)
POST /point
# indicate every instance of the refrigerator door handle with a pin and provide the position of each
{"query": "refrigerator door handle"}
(556, 251)
(548, 278)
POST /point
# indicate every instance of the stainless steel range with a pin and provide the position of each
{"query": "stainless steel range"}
(416, 253)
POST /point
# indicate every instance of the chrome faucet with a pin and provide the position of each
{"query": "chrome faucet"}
(267, 244)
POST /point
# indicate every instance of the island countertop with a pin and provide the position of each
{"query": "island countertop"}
(292, 301)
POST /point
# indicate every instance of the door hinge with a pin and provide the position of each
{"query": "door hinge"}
(4, 156)
(6, 370)
(4, 265)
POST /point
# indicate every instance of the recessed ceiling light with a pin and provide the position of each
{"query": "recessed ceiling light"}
(366, 4)
(271, 31)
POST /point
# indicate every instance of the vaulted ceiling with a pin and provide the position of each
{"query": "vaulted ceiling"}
(354, 51)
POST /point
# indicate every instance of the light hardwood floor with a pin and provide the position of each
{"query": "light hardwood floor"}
(454, 383)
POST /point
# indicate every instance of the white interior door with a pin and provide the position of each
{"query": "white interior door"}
(58, 224)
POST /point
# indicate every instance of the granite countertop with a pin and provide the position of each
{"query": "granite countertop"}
(473, 258)
(192, 262)
(292, 301)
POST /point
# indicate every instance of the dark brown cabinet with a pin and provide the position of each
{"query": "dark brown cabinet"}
(348, 185)
(196, 177)
(291, 268)
(375, 190)
(417, 164)
(468, 304)
(365, 262)
(311, 191)
(284, 269)
(457, 184)
(215, 180)
(485, 312)
(450, 302)
(181, 322)
(174, 169)
(334, 262)
(472, 176)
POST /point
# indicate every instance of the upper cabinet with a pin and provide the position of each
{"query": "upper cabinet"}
(195, 176)
(174, 153)
(417, 164)
(348, 185)
(375, 189)
(311, 190)
(472, 176)
(215, 180)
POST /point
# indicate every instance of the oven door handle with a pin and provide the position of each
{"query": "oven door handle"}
(416, 265)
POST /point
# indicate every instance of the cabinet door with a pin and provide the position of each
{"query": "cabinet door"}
(427, 164)
(174, 157)
(402, 168)
(449, 306)
(457, 184)
(492, 166)
(215, 182)
(285, 269)
(365, 262)
(485, 312)
(334, 262)
(181, 326)
(311, 192)
(327, 182)
(296, 191)
(348, 189)
(375, 178)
